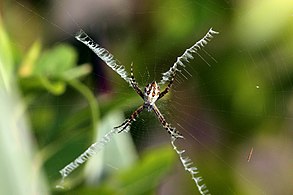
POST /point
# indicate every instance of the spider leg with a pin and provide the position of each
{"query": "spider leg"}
(167, 89)
(134, 83)
(128, 121)
(171, 130)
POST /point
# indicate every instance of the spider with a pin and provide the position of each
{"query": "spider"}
(152, 91)
(150, 95)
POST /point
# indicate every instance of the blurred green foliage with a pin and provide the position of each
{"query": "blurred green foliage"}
(241, 101)
(51, 71)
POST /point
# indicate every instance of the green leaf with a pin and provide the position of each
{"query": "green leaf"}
(6, 59)
(56, 87)
(52, 70)
(142, 178)
(145, 176)
(28, 64)
(54, 62)
(77, 72)
(20, 172)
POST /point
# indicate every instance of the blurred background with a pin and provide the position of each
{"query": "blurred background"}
(233, 99)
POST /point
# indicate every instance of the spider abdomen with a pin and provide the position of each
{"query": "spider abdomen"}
(151, 94)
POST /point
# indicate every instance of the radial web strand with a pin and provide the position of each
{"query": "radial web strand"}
(187, 164)
(188, 54)
(104, 54)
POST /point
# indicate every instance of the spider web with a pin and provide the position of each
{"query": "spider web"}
(225, 108)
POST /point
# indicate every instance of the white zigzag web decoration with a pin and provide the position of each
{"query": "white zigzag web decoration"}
(93, 149)
(104, 54)
(151, 94)
(186, 162)
(188, 54)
